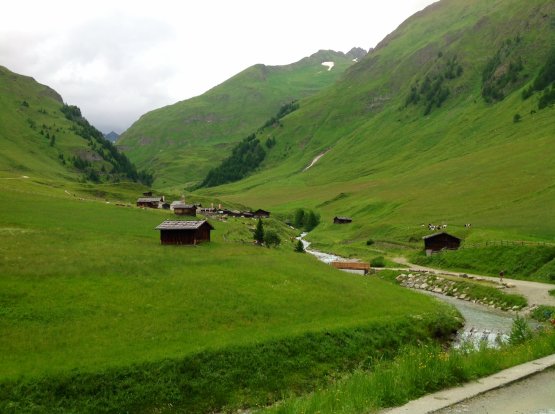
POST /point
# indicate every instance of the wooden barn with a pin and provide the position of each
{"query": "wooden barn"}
(342, 220)
(150, 202)
(261, 213)
(440, 241)
(184, 232)
(185, 209)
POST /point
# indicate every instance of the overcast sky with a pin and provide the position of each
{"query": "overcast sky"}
(118, 59)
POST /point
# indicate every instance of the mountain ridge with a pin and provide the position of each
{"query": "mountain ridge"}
(400, 164)
(184, 140)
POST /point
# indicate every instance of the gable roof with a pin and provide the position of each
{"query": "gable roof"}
(182, 225)
(440, 234)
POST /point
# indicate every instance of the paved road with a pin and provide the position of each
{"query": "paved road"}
(532, 395)
(535, 292)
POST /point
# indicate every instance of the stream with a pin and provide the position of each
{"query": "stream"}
(482, 324)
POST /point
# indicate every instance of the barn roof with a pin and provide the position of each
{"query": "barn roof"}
(149, 199)
(440, 234)
(182, 225)
(343, 218)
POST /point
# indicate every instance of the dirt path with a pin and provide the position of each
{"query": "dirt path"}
(535, 292)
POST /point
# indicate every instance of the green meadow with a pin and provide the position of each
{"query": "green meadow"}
(88, 294)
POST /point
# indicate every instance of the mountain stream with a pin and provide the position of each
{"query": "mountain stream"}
(482, 324)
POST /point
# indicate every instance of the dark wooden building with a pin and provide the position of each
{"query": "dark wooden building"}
(261, 213)
(342, 220)
(185, 209)
(150, 202)
(184, 232)
(440, 241)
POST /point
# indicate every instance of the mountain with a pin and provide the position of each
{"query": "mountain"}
(41, 135)
(181, 142)
(447, 120)
(111, 136)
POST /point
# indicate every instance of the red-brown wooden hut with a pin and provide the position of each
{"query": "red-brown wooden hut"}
(184, 232)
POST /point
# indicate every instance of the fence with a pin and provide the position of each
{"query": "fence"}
(505, 243)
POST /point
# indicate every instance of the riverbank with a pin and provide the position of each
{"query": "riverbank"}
(441, 401)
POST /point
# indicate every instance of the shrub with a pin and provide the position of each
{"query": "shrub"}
(543, 313)
(378, 261)
(520, 331)
(517, 118)
(271, 238)
(299, 248)
(369, 242)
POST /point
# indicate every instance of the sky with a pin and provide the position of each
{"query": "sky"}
(119, 59)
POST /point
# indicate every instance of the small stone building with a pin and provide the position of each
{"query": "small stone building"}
(342, 220)
(150, 202)
(440, 241)
(185, 209)
(184, 232)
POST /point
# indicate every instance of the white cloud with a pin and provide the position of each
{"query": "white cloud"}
(120, 59)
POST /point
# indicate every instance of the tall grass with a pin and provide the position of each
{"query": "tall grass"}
(236, 376)
(417, 371)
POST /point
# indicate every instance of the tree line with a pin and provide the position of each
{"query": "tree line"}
(247, 155)
(120, 164)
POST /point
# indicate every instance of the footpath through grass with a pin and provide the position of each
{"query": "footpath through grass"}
(97, 316)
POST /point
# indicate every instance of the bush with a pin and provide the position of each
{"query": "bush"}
(517, 118)
(369, 242)
(377, 262)
(299, 247)
(520, 331)
(271, 238)
(543, 313)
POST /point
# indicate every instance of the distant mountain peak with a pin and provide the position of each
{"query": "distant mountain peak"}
(356, 53)
(111, 136)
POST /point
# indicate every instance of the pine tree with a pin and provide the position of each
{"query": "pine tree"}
(259, 232)
(299, 247)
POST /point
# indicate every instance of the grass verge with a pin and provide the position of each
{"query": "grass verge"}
(416, 372)
(518, 262)
(225, 379)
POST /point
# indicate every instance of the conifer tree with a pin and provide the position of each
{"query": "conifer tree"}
(259, 232)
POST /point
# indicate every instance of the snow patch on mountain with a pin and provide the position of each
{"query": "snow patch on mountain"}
(330, 65)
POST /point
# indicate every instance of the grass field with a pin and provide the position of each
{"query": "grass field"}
(87, 292)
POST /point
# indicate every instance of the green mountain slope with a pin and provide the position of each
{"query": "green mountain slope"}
(181, 142)
(41, 136)
(425, 130)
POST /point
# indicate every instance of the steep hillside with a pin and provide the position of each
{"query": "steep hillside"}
(181, 142)
(41, 136)
(429, 127)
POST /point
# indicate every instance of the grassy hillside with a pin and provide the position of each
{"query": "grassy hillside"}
(41, 136)
(96, 314)
(181, 142)
(413, 134)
